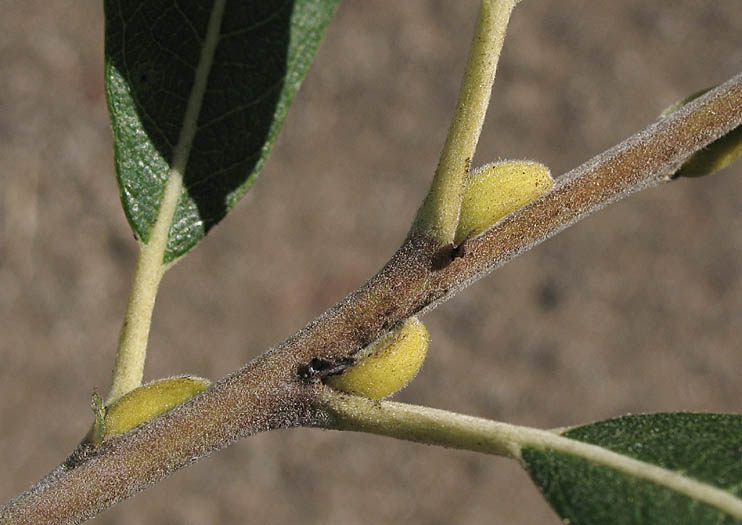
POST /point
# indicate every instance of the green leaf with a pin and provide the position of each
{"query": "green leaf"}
(197, 92)
(676, 468)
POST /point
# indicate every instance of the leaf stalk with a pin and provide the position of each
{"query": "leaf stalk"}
(439, 214)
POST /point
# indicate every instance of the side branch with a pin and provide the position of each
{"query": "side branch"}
(281, 388)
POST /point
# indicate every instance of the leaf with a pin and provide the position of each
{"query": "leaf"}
(676, 468)
(199, 90)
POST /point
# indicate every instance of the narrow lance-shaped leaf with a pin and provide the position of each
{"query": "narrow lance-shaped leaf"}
(250, 58)
(654, 469)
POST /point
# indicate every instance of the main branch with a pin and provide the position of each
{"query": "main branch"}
(281, 388)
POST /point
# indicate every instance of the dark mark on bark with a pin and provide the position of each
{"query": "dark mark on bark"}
(442, 258)
(319, 368)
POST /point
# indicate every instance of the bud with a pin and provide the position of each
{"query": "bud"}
(496, 190)
(148, 401)
(386, 365)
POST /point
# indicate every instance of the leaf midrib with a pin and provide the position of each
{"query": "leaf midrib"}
(182, 150)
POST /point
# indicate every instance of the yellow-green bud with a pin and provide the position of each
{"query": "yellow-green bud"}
(496, 190)
(147, 402)
(386, 365)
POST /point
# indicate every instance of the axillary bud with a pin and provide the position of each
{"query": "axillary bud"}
(387, 364)
(144, 403)
(498, 189)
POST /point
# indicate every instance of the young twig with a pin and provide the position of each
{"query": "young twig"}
(269, 393)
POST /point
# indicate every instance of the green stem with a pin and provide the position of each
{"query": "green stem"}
(128, 368)
(449, 429)
(439, 213)
(421, 424)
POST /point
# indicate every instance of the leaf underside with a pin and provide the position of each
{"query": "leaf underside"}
(706, 448)
(152, 51)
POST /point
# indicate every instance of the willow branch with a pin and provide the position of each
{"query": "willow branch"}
(282, 387)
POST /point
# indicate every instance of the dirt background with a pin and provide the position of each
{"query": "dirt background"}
(632, 310)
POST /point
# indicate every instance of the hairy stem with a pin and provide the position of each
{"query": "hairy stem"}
(280, 389)
(419, 424)
(128, 368)
(439, 214)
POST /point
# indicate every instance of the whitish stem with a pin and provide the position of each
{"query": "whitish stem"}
(132, 350)
(449, 429)
(439, 213)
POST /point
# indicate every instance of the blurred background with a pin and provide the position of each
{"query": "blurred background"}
(632, 310)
